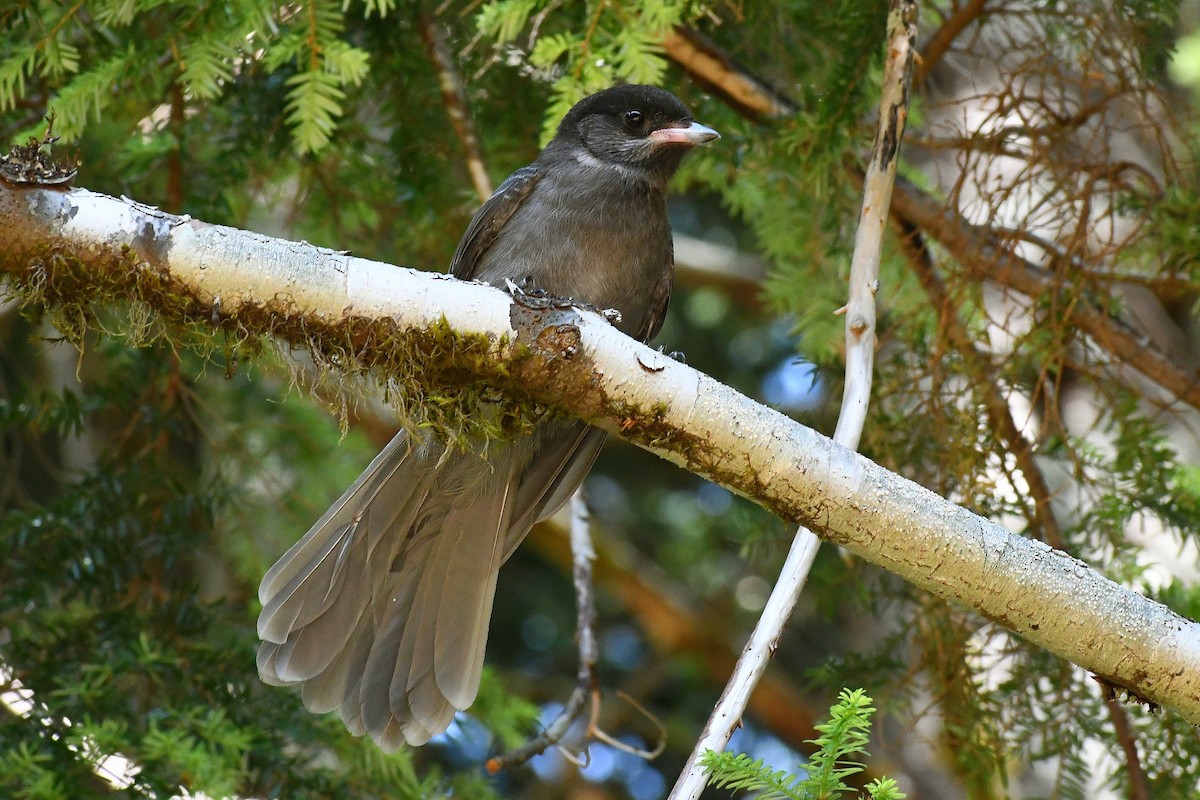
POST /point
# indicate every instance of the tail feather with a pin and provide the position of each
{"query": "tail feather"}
(312, 647)
(464, 605)
(427, 709)
(310, 592)
(400, 608)
(297, 560)
(382, 610)
(329, 690)
(561, 465)
(266, 665)
(309, 579)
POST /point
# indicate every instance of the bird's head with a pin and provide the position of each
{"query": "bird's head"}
(635, 127)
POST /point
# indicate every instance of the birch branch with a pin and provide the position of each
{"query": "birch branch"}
(860, 358)
(79, 244)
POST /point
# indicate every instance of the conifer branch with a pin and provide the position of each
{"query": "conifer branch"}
(943, 38)
(712, 67)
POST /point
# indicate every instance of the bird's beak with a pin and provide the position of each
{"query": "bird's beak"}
(691, 135)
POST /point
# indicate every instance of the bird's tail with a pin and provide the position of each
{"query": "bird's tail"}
(382, 609)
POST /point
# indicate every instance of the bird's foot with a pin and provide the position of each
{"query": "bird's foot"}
(529, 296)
(675, 355)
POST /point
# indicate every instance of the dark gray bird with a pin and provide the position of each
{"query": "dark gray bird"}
(381, 611)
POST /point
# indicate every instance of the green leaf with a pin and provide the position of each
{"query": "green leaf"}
(503, 21)
(207, 66)
(13, 71)
(348, 63)
(313, 107)
(884, 789)
(61, 57)
(551, 48)
(740, 772)
(380, 7)
(88, 95)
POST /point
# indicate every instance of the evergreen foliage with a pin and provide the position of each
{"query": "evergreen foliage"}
(843, 738)
(153, 476)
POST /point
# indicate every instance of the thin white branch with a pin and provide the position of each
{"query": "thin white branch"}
(581, 364)
(868, 239)
(860, 357)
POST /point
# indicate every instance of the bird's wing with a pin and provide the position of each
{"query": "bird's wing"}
(490, 219)
(660, 298)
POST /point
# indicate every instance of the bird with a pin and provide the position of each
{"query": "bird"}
(381, 611)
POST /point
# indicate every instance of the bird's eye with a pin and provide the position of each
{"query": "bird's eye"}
(635, 119)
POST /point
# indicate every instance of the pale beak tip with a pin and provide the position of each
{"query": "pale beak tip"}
(692, 134)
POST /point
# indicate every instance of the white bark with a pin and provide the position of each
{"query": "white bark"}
(860, 358)
(1049, 598)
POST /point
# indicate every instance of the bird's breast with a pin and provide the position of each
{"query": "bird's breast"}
(607, 245)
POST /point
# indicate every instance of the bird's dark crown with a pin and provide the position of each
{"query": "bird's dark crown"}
(614, 127)
(658, 105)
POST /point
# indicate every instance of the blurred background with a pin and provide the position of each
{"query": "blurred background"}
(1037, 363)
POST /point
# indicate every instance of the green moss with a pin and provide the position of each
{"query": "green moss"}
(441, 382)
(650, 427)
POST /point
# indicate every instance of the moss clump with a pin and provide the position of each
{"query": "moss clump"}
(441, 382)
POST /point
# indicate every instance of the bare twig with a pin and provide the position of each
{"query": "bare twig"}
(672, 627)
(1139, 786)
(586, 684)
(860, 352)
(996, 406)
(979, 250)
(600, 735)
(455, 100)
(939, 43)
(712, 67)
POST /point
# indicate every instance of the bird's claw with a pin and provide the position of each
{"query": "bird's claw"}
(532, 297)
(674, 355)
(529, 296)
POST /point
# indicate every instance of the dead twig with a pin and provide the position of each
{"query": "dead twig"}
(1042, 517)
(455, 100)
(586, 682)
